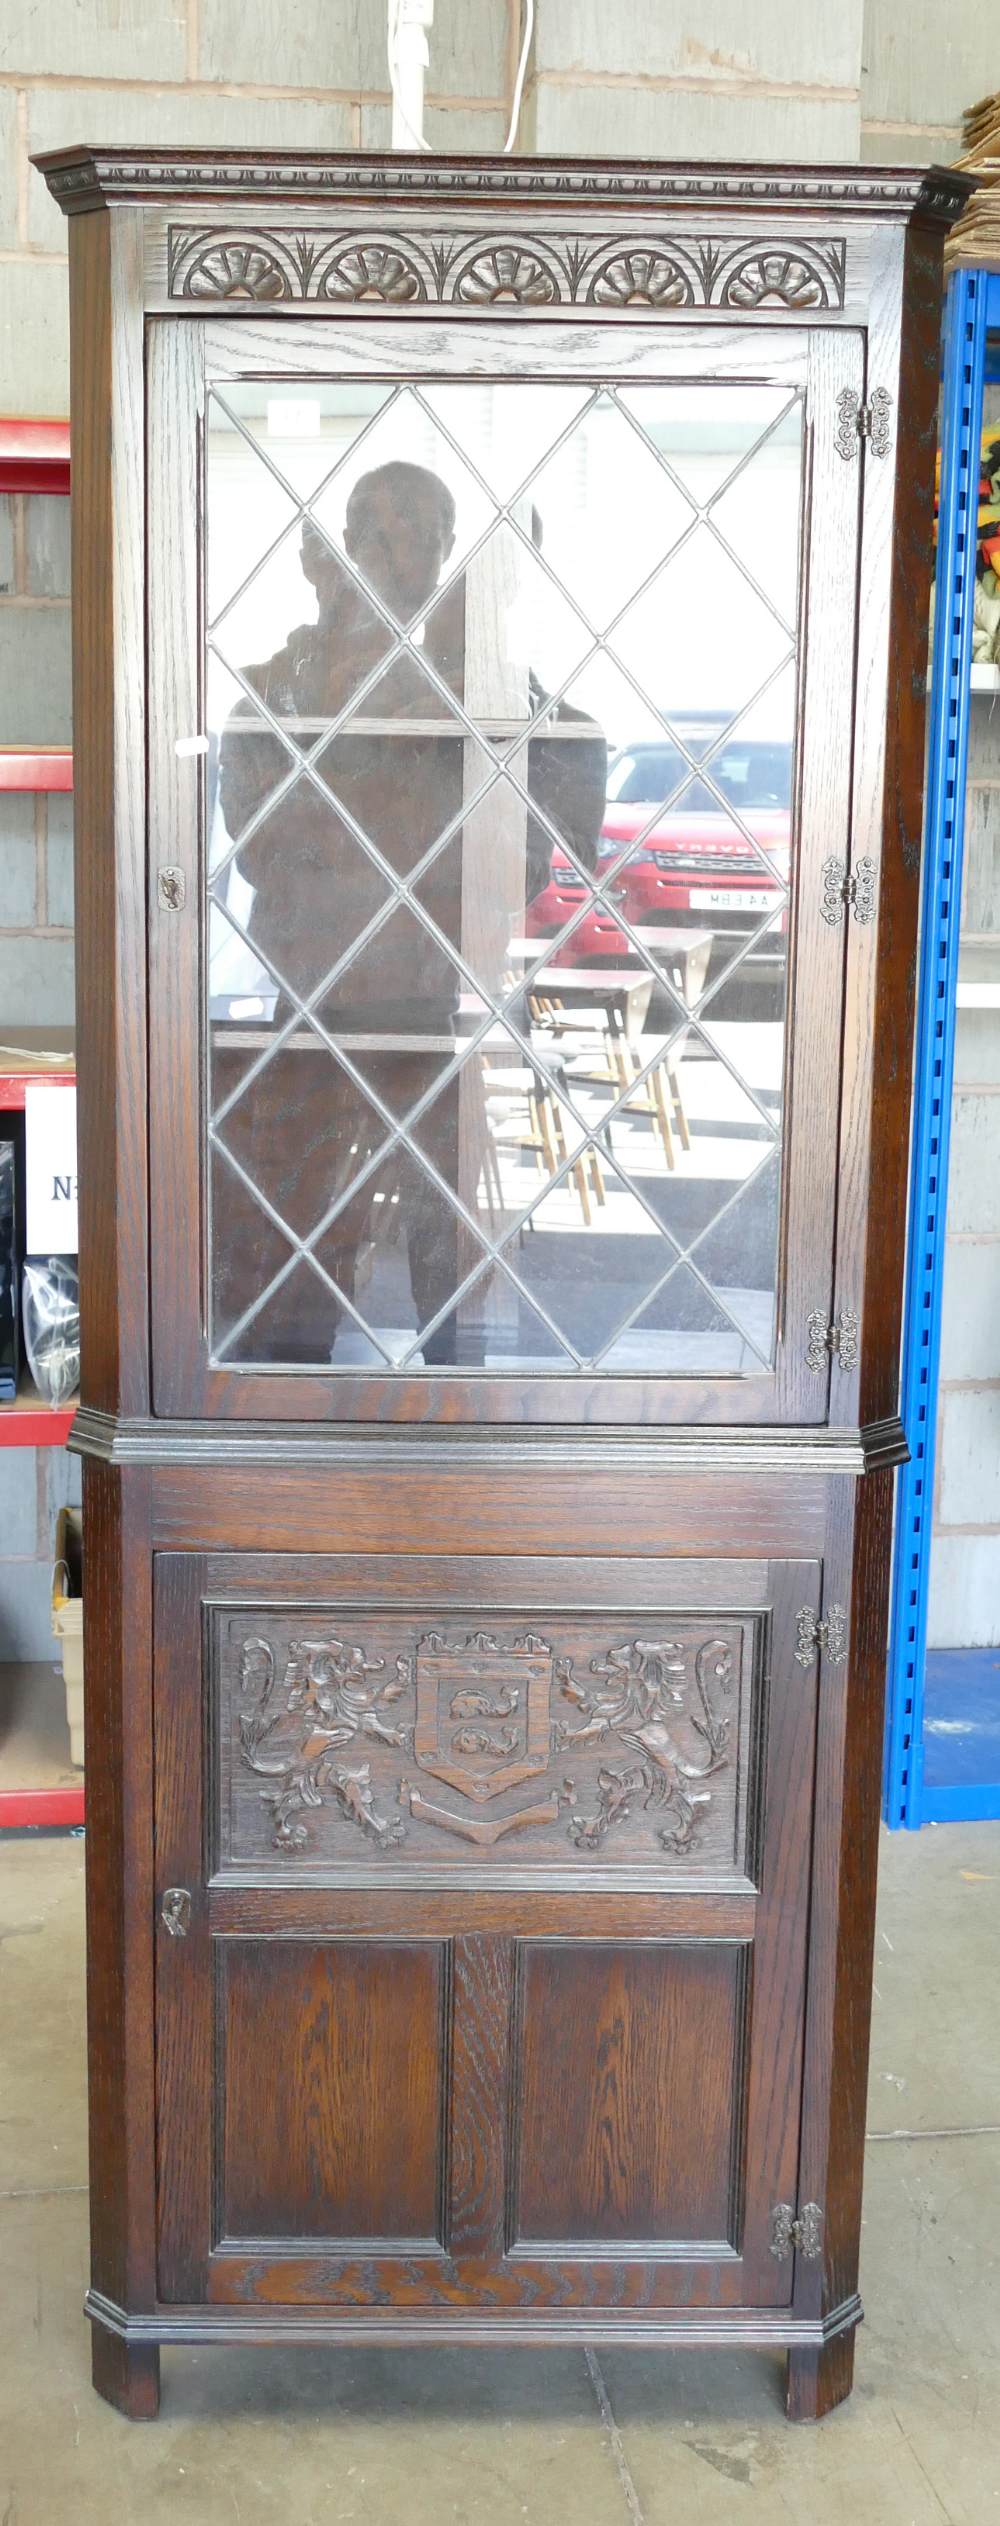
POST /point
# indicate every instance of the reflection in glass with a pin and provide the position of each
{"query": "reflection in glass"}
(501, 690)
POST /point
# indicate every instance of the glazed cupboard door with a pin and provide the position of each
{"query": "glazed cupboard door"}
(481, 1933)
(500, 731)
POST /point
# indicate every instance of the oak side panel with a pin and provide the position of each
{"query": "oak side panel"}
(842, 1906)
(117, 1632)
(888, 801)
(775, 2062)
(892, 1032)
(106, 389)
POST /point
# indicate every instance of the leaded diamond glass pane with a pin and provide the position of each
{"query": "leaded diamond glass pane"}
(624, 539)
(704, 433)
(501, 690)
(506, 438)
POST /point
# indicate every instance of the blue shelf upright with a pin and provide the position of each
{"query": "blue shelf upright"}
(972, 304)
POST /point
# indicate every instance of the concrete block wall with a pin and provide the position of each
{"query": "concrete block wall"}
(36, 832)
(34, 1484)
(790, 78)
(881, 79)
(876, 79)
(964, 1609)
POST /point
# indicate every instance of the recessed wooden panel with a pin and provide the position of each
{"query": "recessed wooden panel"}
(403, 1744)
(630, 2087)
(331, 2075)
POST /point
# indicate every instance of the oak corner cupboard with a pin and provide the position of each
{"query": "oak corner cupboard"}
(500, 603)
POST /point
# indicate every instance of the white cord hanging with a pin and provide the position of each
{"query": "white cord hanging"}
(515, 110)
(408, 57)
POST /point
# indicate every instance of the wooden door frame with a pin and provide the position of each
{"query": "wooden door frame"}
(178, 354)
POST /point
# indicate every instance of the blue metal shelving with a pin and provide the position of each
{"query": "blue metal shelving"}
(972, 307)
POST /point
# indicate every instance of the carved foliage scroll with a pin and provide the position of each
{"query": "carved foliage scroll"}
(456, 1744)
(352, 266)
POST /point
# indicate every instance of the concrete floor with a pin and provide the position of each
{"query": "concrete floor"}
(310, 2438)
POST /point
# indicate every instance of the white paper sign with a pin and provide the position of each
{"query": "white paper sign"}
(50, 1167)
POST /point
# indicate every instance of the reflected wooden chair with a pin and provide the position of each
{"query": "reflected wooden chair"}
(540, 1128)
(611, 1058)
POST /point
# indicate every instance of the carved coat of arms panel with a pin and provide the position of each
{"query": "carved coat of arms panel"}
(369, 1742)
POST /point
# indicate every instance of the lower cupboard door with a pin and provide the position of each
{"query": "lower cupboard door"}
(481, 1953)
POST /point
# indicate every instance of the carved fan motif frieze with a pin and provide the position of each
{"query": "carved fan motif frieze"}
(469, 269)
(774, 279)
(237, 270)
(559, 1748)
(494, 273)
(642, 277)
(370, 272)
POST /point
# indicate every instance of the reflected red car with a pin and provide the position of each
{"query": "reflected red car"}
(695, 867)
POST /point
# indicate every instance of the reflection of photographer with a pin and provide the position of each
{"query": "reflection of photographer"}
(305, 1129)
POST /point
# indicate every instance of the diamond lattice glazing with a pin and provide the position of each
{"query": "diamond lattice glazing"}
(502, 688)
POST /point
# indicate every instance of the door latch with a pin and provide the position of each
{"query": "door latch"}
(836, 1340)
(830, 1636)
(841, 890)
(791, 2235)
(175, 1911)
(171, 889)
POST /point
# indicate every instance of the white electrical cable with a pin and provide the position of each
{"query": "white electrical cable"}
(398, 13)
(400, 112)
(515, 111)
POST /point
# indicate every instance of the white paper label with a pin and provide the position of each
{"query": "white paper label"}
(50, 1167)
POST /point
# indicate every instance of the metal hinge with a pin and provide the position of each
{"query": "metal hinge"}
(856, 889)
(863, 422)
(830, 1636)
(837, 1340)
(175, 1911)
(791, 2235)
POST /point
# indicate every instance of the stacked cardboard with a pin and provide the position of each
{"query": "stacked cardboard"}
(975, 237)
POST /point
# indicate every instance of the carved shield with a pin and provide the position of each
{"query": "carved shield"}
(482, 1712)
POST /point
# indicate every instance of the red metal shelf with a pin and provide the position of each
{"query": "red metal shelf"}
(36, 767)
(28, 1422)
(34, 456)
(41, 1806)
(14, 1082)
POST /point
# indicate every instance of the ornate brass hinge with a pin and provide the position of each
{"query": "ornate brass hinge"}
(863, 422)
(856, 889)
(791, 2235)
(837, 1340)
(830, 1636)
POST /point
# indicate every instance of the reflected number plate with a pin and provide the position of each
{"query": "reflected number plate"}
(730, 899)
